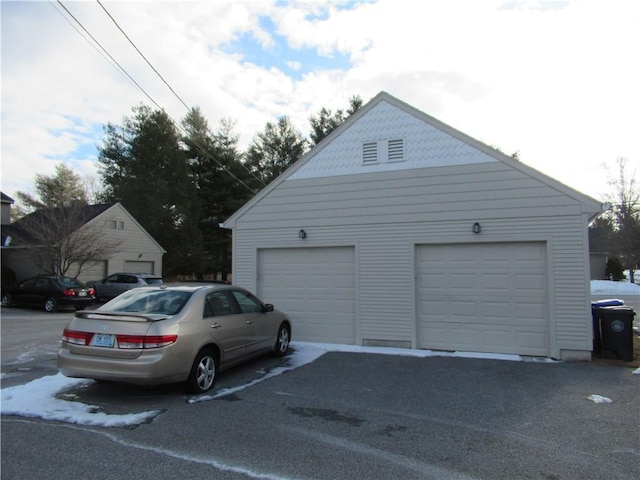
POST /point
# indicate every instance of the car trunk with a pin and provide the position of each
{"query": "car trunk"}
(113, 335)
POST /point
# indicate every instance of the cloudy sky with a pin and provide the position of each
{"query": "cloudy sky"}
(556, 80)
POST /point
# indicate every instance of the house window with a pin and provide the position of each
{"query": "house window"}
(395, 151)
(121, 225)
(370, 152)
(114, 224)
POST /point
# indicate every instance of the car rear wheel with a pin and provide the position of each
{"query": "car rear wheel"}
(7, 300)
(50, 305)
(282, 341)
(203, 372)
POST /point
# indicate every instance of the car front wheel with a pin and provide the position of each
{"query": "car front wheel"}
(282, 341)
(50, 305)
(203, 372)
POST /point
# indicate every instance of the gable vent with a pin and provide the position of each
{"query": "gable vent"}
(396, 150)
(370, 152)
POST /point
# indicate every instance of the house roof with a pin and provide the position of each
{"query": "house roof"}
(590, 205)
(18, 229)
(5, 198)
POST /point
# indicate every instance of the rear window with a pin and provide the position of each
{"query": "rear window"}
(68, 282)
(153, 281)
(168, 302)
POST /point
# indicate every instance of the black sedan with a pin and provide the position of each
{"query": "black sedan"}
(49, 292)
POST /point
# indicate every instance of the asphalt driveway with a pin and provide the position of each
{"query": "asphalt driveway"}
(349, 416)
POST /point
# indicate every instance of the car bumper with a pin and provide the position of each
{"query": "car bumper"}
(75, 302)
(152, 367)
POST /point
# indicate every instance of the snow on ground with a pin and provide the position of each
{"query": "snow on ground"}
(45, 397)
(609, 288)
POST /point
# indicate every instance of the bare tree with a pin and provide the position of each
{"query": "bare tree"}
(65, 240)
(624, 198)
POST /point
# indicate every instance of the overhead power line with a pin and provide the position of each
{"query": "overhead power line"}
(103, 51)
(142, 55)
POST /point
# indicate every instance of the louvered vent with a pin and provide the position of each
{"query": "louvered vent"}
(370, 152)
(396, 150)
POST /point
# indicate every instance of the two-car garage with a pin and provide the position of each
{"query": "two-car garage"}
(482, 297)
(398, 230)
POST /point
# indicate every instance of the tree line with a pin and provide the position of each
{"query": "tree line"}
(180, 181)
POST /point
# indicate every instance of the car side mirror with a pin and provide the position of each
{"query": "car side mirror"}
(267, 307)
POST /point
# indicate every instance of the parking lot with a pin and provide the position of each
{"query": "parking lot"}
(345, 415)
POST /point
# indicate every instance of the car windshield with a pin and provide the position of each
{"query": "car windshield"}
(168, 302)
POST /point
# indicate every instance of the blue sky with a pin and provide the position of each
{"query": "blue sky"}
(295, 62)
(554, 80)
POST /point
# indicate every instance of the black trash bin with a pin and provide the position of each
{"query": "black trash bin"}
(595, 315)
(616, 327)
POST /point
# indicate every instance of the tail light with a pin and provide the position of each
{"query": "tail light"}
(140, 342)
(67, 292)
(92, 291)
(145, 341)
(76, 338)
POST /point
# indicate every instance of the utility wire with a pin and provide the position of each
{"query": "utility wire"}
(142, 55)
(181, 101)
(123, 71)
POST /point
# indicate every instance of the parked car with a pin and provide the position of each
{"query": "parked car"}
(172, 333)
(49, 292)
(115, 284)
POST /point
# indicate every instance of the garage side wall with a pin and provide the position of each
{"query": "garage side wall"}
(386, 215)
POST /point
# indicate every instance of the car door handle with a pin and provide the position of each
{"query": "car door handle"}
(216, 325)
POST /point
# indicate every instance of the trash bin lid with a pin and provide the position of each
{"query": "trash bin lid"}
(609, 302)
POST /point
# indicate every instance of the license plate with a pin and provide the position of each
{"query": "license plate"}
(82, 294)
(103, 340)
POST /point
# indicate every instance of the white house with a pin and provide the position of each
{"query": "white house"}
(398, 230)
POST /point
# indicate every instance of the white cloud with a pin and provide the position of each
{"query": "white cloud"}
(555, 80)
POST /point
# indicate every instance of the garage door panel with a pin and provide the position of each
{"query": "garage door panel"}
(494, 300)
(315, 287)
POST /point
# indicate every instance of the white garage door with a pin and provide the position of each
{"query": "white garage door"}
(138, 267)
(315, 287)
(483, 298)
(95, 270)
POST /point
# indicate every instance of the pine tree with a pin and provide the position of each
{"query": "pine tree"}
(144, 167)
(276, 148)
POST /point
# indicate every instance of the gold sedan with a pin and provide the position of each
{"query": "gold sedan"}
(172, 333)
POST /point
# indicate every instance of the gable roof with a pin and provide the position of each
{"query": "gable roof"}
(5, 198)
(19, 230)
(589, 205)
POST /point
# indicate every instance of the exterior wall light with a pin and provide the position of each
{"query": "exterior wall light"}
(302, 234)
(476, 228)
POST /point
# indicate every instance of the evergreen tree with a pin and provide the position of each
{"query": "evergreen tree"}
(325, 121)
(144, 167)
(274, 149)
(62, 189)
(221, 183)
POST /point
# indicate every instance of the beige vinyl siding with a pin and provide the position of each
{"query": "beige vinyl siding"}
(135, 243)
(387, 214)
(482, 190)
